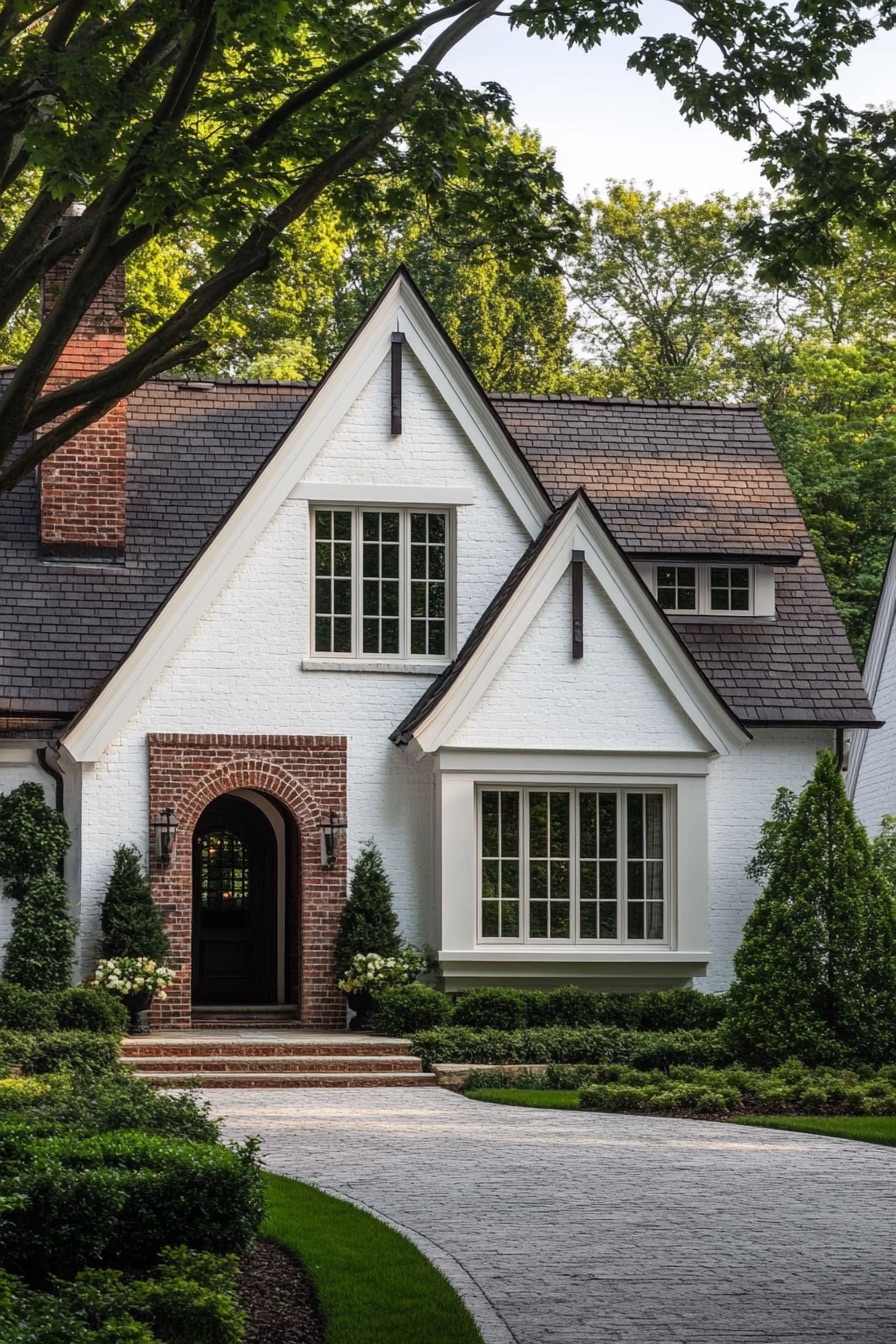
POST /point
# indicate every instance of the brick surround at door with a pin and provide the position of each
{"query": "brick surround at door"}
(307, 776)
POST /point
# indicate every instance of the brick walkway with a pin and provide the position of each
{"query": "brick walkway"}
(561, 1228)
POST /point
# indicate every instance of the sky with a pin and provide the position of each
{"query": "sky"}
(606, 121)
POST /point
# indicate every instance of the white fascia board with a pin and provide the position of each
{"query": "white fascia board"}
(11, 753)
(579, 531)
(878, 648)
(93, 730)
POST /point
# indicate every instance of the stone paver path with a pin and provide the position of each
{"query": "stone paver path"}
(566, 1228)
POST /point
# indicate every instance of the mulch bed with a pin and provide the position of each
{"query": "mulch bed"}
(278, 1298)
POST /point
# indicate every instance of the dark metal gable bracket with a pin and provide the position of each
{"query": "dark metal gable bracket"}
(578, 601)
(397, 344)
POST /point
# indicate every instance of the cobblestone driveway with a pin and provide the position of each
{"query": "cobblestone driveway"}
(563, 1228)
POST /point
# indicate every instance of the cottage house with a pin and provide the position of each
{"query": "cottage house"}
(555, 654)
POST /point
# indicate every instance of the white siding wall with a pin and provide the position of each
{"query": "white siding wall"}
(241, 672)
(874, 783)
(740, 793)
(610, 700)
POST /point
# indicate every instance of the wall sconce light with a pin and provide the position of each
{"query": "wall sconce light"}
(329, 830)
(163, 829)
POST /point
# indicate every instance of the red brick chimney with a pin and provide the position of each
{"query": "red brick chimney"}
(83, 485)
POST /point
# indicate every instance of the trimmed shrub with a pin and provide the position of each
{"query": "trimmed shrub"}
(33, 839)
(47, 1052)
(409, 1008)
(498, 1008)
(91, 1009)
(131, 921)
(568, 1045)
(118, 1199)
(28, 1317)
(368, 923)
(816, 971)
(41, 947)
(26, 1009)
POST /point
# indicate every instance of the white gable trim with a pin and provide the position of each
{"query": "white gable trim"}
(878, 648)
(400, 306)
(579, 530)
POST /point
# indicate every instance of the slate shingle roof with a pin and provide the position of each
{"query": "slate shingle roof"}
(665, 478)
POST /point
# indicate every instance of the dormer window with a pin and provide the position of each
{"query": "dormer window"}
(381, 583)
(710, 589)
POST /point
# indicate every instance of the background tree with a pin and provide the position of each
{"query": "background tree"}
(368, 922)
(33, 840)
(234, 117)
(815, 975)
(130, 919)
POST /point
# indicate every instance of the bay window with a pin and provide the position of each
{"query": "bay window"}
(573, 865)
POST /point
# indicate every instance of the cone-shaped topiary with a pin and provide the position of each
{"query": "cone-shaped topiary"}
(41, 948)
(33, 838)
(131, 921)
(368, 922)
(816, 971)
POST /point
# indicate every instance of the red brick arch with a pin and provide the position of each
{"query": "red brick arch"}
(307, 777)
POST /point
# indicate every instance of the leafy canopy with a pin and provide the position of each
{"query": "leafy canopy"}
(235, 117)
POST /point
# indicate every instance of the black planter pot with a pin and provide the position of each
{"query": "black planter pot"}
(138, 1012)
(362, 1005)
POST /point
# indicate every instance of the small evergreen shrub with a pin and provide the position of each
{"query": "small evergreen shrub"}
(368, 922)
(49, 1051)
(34, 838)
(41, 947)
(118, 1199)
(26, 1009)
(816, 971)
(496, 1007)
(91, 1009)
(131, 921)
(410, 1008)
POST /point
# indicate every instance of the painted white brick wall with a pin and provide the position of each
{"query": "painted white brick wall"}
(610, 700)
(241, 671)
(874, 793)
(740, 792)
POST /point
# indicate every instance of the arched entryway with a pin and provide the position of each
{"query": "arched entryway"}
(239, 879)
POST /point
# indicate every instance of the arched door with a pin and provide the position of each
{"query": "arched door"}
(234, 904)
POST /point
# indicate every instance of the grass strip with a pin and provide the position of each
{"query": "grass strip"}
(867, 1128)
(373, 1285)
(518, 1096)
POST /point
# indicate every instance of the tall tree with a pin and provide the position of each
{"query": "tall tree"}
(235, 116)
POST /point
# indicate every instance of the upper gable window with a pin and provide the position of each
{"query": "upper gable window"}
(701, 589)
(381, 583)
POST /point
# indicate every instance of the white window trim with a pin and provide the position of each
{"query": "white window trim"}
(704, 607)
(359, 659)
(622, 942)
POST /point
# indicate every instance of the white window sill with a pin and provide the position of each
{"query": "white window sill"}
(580, 954)
(421, 669)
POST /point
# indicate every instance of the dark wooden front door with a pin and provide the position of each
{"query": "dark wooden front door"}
(234, 904)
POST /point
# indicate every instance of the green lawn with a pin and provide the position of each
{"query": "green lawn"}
(373, 1285)
(868, 1128)
(518, 1096)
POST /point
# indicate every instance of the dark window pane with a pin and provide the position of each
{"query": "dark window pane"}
(635, 920)
(490, 878)
(342, 525)
(437, 601)
(437, 527)
(323, 558)
(559, 919)
(322, 635)
(609, 916)
(418, 600)
(608, 825)
(370, 597)
(653, 808)
(390, 526)
(666, 598)
(370, 526)
(608, 881)
(510, 879)
(635, 881)
(436, 562)
(635, 822)
(342, 560)
(718, 578)
(418, 637)
(654, 881)
(322, 596)
(390, 562)
(418, 527)
(740, 578)
(538, 919)
(740, 600)
(665, 576)
(559, 881)
(390, 637)
(538, 879)
(324, 524)
(418, 562)
(538, 823)
(510, 919)
(588, 920)
(371, 636)
(718, 599)
(510, 823)
(687, 599)
(437, 639)
(560, 824)
(342, 635)
(588, 825)
(686, 576)
(370, 561)
(490, 919)
(490, 822)
(390, 599)
(587, 880)
(342, 597)
(654, 920)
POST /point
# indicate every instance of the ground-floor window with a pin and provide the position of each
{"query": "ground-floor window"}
(573, 865)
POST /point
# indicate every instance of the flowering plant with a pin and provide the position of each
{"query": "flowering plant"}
(134, 975)
(372, 972)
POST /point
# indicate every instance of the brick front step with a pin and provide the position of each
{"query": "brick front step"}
(133, 1047)
(291, 1079)
(273, 1063)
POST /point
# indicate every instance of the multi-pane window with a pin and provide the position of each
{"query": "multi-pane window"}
(573, 865)
(729, 588)
(676, 587)
(381, 583)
